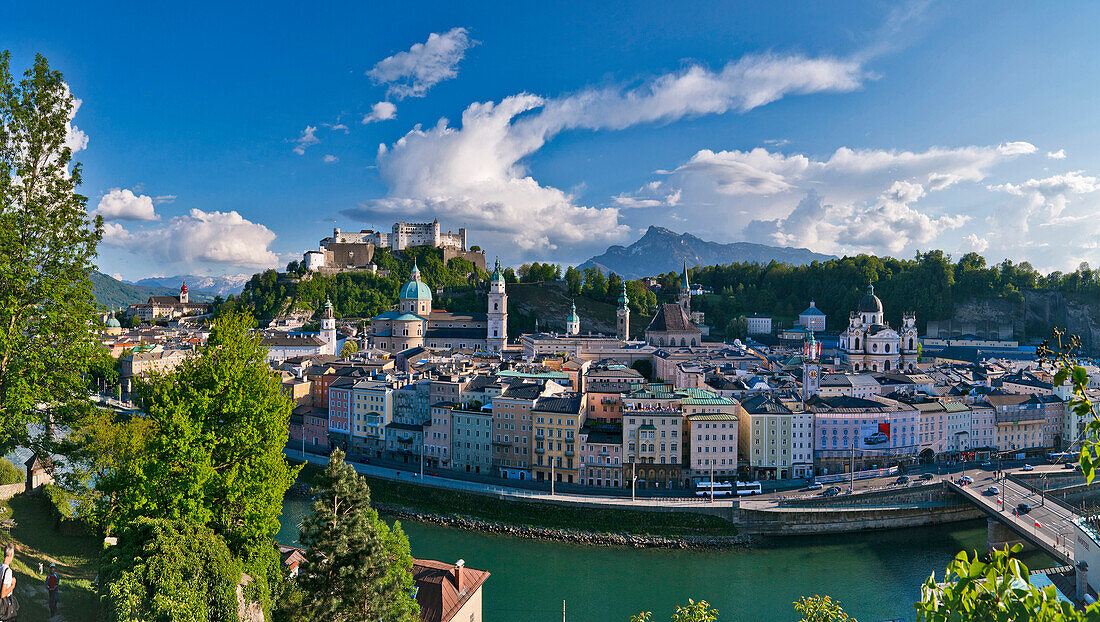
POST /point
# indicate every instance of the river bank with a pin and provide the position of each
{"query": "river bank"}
(547, 521)
(573, 536)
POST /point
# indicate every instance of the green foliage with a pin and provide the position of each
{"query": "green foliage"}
(350, 347)
(737, 328)
(10, 474)
(47, 245)
(821, 609)
(535, 272)
(58, 502)
(357, 568)
(692, 612)
(211, 450)
(991, 591)
(169, 570)
(1062, 357)
(643, 367)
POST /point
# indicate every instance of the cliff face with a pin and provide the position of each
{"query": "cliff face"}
(1036, 318)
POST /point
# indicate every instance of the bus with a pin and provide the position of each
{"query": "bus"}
(1056, 457)
(721, 489)
(748, 488)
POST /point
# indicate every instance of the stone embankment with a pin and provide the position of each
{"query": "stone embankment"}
(572, 535)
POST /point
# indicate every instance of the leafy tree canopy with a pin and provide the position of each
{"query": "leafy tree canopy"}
(47, 245)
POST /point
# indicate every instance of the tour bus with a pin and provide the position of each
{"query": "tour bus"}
(748, 488)
(1056, 457)
(721, 489)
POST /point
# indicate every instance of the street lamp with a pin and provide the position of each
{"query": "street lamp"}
(633, 477)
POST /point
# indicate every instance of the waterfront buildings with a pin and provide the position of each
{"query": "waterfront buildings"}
(557, 423)
(472, 445)
(868, 433)
(712, 442)
(601, 452)
(512, 444)
(776, 437)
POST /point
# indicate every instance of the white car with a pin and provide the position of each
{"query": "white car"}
(1027, 467)
(877, 438)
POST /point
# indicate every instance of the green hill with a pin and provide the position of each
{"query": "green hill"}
(114, 294)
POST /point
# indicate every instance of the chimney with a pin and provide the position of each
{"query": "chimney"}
(1082, 580)
(462, 563)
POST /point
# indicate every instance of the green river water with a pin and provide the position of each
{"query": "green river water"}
(875, 575)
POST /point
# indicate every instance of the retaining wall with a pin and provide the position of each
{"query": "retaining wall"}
(10, 490)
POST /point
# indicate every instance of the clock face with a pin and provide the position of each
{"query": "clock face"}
(813, 374)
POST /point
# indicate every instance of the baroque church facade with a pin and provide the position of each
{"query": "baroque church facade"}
(870, 344)
(415, 324)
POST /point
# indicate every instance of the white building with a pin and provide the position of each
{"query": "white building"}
(812, 318)
(760, 325)
(869, 344)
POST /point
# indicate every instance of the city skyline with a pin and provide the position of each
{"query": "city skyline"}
(553, 135)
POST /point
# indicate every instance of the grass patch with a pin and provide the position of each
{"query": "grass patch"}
(76, 556)
(553, 516)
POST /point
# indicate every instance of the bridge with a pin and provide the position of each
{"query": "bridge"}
(1048, 526)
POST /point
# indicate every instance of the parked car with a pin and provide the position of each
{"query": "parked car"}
(903, 480)
(815, 486)
(927, 476)
(992, 491)
(832, 492)
(966, 479)
(1027, 467)
(986, 463)
(1023, 508)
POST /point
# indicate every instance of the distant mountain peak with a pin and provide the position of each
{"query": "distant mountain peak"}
(662, 250)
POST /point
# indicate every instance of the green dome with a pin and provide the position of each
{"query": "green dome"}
(573, 317)
(498, 274)
(415, 290)
(113, 323)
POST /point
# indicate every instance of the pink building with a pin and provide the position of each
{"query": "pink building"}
(339, 409)
(437, 436)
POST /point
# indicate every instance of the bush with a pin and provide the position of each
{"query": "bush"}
(10, 474)
(58, 502)
(169, 570)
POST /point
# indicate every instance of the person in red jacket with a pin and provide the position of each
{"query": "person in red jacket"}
(52, 583)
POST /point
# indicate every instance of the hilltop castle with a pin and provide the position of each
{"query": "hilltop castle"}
(351, 250)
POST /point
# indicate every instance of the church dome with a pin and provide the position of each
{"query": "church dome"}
(113, 323)
(573, 317)
(870, 303)
(415, 290)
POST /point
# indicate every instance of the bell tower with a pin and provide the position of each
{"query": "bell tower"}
(496, 335)
(685, 291)
(183, 293)
(622, 317)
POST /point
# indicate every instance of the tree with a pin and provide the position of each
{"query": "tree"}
(692, 612)
(821, 609)
(999, 589)
(643, 367)
(47, 245)
(356, 568)
(738, 328)
(169, 570)
(213, 454)
(350, 347)
(10, 474)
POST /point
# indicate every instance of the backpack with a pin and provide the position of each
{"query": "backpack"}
(9, 607)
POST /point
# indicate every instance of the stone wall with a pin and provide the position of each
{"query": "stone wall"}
(10, 490)
(475, 257)
(796, 521)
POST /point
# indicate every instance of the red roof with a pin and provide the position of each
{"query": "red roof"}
(438, 590)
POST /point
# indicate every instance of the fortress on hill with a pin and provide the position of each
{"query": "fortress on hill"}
(354, 250)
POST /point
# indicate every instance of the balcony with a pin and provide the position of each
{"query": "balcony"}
(540, 437)
(569, 452)
(539, 450)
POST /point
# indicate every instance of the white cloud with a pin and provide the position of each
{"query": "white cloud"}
(475, 174)
(859, 200)
(201, 238)
(337, 127)
(123, 204)
(1057, 155)
(412, 73)
(1051, 194)
(75, 139)
(329, 158)
(307, 139)
(382, 111)
(975, 243)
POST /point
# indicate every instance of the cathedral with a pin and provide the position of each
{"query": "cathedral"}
(414, 324)
(869, 344)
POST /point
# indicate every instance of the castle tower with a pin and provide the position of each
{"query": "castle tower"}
(622, 317)
(685, 291)
(573, 322)
(328, 328)
(497, 331)
(183, 293)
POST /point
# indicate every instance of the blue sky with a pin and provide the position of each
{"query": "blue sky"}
(552, 132)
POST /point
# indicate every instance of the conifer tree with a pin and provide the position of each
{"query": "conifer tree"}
(357, 568)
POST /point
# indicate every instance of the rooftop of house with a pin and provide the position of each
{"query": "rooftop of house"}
(442, 588)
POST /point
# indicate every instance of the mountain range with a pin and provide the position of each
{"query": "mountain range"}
(661, 250)
(221, 285)
(114, 294)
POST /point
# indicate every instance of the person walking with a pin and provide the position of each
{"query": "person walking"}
(9, 606)
(52, 583)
